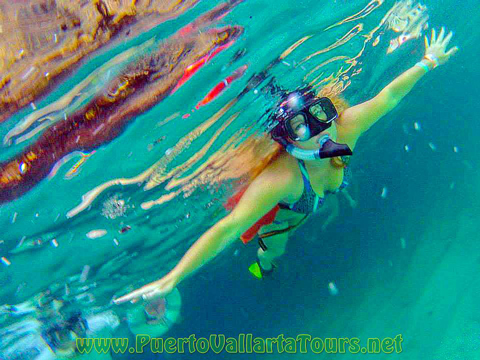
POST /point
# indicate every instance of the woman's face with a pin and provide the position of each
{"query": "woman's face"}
(313, 142)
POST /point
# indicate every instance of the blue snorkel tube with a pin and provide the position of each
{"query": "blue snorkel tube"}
(328, 149)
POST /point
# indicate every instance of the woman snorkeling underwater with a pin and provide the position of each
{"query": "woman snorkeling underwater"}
(317, 137)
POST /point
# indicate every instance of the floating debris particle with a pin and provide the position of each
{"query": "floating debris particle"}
(407, 148)
(432, 146)
(54, 243)
(114, 207)
(452, 185)
(115, 241)
(34, 107)
(14, 218)
(5, 261)
(84, 274)
(332, 288)
(124, 229)
(286, 63)
(94, 234)
(455, 149)
(403, 243)
(236, 252)
(21, 241)
(417, 126)
(384, 193)
(390, 263)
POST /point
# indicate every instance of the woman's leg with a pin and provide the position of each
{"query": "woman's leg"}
(275, 244)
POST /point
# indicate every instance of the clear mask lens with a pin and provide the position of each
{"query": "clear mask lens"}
(318, 112)
(298, 128)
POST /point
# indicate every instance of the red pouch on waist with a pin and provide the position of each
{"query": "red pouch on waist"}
(265, 220)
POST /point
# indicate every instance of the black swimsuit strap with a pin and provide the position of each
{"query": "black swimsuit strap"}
(282, 231)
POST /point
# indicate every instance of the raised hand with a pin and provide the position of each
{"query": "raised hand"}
(436, 48)
(159, 288)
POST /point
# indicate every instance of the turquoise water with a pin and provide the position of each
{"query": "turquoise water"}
(404, 263)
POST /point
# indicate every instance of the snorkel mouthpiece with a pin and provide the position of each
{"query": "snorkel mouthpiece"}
(332, 149)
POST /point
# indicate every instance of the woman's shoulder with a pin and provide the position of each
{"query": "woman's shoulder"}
(285, 170)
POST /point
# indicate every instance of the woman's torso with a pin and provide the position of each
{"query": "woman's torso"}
(321, 179)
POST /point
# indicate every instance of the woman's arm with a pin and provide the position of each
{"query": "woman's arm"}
(351, 201)
(333, 212)
(360, 118)
(272, 185)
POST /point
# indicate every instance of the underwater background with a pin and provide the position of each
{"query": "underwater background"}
(404, 261)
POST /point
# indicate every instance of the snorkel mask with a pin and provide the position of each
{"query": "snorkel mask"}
(302, 116)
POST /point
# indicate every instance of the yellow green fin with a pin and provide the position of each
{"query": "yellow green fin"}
(255, 270)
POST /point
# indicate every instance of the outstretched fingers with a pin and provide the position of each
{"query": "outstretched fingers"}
(442, 35)
(152, 294)
(134, 294)
(452, 51)
(447, 39)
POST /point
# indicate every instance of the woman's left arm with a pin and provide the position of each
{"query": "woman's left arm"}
(360, 118)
